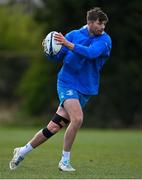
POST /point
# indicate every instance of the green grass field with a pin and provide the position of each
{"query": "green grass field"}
(95, 154)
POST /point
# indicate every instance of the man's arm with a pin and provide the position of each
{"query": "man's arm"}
(99, 48)
(93, 51)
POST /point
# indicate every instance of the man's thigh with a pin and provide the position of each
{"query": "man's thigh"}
(62, 112)
(73, 108)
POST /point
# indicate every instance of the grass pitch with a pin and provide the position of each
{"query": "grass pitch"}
(95, 154)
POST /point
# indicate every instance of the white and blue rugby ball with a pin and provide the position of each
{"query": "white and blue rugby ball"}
(51, 46)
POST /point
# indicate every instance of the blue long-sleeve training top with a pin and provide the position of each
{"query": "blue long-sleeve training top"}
(81, 66)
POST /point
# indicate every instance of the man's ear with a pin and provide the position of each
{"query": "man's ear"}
(88, 22)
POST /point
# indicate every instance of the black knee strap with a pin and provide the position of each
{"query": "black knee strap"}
(57, 119)
(47, 133)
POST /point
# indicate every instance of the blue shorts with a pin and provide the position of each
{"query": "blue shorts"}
(68, 93)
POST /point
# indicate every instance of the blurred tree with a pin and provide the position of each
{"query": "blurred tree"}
(24, 73)
(38, 88)
(124, 80)
(20, 41)
(19, 32)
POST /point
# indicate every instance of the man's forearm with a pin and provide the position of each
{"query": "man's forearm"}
(68, 44)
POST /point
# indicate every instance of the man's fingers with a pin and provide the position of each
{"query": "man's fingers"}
(59, 38)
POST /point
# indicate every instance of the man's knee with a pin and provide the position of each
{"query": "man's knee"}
(53, 127)
(57, 123)
(59, 120)
(77, 120)
(74, 110)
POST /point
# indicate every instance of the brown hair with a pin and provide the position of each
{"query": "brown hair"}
(96, 13)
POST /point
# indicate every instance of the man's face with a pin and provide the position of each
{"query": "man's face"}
(96, 27)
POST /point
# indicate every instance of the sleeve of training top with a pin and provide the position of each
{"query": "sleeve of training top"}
(98, 48)
(63, 50)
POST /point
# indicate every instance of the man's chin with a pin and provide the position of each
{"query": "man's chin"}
(98, 33)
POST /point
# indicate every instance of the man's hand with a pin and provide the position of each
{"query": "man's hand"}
(61, 40)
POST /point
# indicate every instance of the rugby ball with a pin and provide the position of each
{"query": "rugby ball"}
(51, 46)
